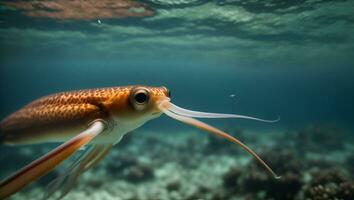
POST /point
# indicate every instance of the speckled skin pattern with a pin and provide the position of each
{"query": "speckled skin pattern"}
(73, 110)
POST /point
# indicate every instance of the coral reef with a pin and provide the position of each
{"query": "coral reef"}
(321, 177)
(195, 166)
(328, 185)
(284, 163)
(331, 191)
(173, 185)
(120, 162)
(139, 173)
(231, 177)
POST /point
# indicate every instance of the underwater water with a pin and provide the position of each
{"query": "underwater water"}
(262, 58)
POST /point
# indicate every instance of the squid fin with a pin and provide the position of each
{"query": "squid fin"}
(49, 161)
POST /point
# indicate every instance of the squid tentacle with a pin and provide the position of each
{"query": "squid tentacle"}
(190, 113)
(49, 161)
(165, 107)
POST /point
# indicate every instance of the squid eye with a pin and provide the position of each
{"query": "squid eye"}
(141, 97)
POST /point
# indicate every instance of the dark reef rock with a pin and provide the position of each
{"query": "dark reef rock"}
(139, 173)
(221, 195)
(231, 177)
(195, 196)
(280, 189)
(174, 185)
(329, 185)
(347, 190)
(121, 162)
(322, 177)
(199, 194)
(129, 168)
(331, 191)
(95, 183)
(301, 177)
(282, 162)
(256, 180)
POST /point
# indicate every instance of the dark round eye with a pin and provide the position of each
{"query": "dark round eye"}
(141, 97)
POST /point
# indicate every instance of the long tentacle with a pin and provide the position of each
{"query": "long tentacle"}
(70, 174)
(163, 106)
(197, 114)
(93, 162)
(67, 180)
(48, 162)
(58, 182)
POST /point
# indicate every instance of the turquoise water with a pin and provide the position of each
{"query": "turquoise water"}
(292, 59)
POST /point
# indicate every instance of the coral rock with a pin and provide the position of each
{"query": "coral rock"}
(139, 173)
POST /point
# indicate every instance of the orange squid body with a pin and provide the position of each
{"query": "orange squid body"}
(58, 117)
(98, 116)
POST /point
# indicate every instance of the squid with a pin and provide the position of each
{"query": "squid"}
(96, 119)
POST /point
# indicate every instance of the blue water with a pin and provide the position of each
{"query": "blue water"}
(296, 64)
(293, 59)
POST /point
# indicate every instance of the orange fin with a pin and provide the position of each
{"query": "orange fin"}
(49, 161)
